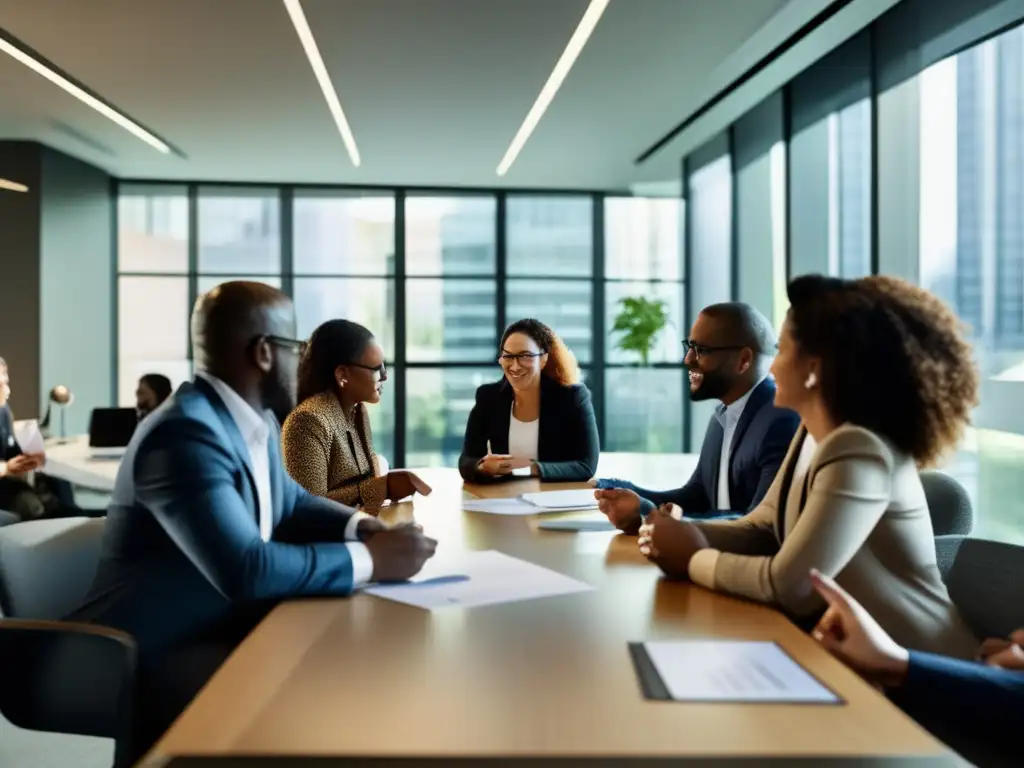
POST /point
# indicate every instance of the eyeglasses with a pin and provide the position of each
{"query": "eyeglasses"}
(507, 358)
(700, 350)
(380, 370)
(283, 341)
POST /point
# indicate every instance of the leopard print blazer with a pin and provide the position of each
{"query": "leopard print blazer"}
(330, 454)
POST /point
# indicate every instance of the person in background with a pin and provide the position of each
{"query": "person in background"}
(152, 390)
(17, 496)
(26, 492)
(728, 355)
(883, 381)
(206, 532)
(973, 706)
(327, 443)
(537, 420)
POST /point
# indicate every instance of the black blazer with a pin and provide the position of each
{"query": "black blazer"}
(568, 444)
(759, 445)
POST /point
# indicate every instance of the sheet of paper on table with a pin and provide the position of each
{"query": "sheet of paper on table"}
(29, 437)
(734, 671)
(582, 523)
(509, 507)
(473, 579)
(575, 499)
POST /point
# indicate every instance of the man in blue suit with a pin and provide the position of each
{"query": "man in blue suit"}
(728, 355)
(973, 706)
(205, 531)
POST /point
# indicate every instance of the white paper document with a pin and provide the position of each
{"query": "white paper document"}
(581, 499)
(596, 522)
(509, 507)
(732, 670)
(473, 579)
(28, 436)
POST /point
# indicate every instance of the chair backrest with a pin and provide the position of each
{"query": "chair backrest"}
(64, 677)
(985, 582)
(8, 518)
(948, 503)
(47, 566)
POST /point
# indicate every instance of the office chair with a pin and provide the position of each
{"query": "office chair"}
(58, 676)
(948, 504)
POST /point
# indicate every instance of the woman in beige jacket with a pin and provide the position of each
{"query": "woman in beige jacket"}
(883, 383)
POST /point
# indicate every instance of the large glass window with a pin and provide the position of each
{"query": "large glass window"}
(334, 252)
(830, 164)
(971, 235)
(644, 260)
(239, 231)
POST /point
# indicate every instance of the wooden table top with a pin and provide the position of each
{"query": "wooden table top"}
(551, 677)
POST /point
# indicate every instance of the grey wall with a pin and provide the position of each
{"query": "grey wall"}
(20, 274)
(77, 264)
(56, 267)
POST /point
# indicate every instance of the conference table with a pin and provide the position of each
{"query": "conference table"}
(325, 681)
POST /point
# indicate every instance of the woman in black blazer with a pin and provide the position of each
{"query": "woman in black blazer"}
(538, 418)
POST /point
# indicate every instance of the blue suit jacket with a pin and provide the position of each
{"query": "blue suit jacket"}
(759, 445)
(182, 557)
(974, 708)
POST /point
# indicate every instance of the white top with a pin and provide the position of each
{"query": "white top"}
(729, 416)
(523, 437)
(255, 431)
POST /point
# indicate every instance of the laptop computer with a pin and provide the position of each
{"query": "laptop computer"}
(110, 430)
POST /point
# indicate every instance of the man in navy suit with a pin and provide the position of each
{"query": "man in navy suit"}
(728, 355)
(205, 531)
(973, 706)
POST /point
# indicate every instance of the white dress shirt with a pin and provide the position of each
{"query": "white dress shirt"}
(729, 416)
(255, 430)
(523, 437)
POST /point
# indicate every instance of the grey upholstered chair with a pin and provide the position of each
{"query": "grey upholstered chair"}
(47, 566)
(948, 503)
(986, 582)
(7, 518)
(60, 676)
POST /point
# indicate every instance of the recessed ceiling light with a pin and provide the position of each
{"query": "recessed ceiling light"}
(294, 8)
(85, 97)
(13, 186)
(547, 93)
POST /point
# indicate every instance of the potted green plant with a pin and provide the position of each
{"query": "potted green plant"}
(638, 324)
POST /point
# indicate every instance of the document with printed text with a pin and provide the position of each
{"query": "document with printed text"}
(734, 671)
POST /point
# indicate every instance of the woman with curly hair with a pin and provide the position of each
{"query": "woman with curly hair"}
(884, 384)
(538, 419)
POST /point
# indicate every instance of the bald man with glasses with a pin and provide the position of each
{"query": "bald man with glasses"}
(727, 356)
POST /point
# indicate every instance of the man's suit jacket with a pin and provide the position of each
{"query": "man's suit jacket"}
(972, 707)
(568, 445)
(759, 445)
(182, 557)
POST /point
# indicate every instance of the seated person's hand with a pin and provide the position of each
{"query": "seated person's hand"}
(399, 553)
(669, 543)
(621, 507)
(495, 464)
(25, 462)
(402, 484)
(1008, 654)
(850, 634)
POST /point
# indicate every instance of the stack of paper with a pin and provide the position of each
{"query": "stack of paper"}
(28, 436)
(534, 503)
(471, 579)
